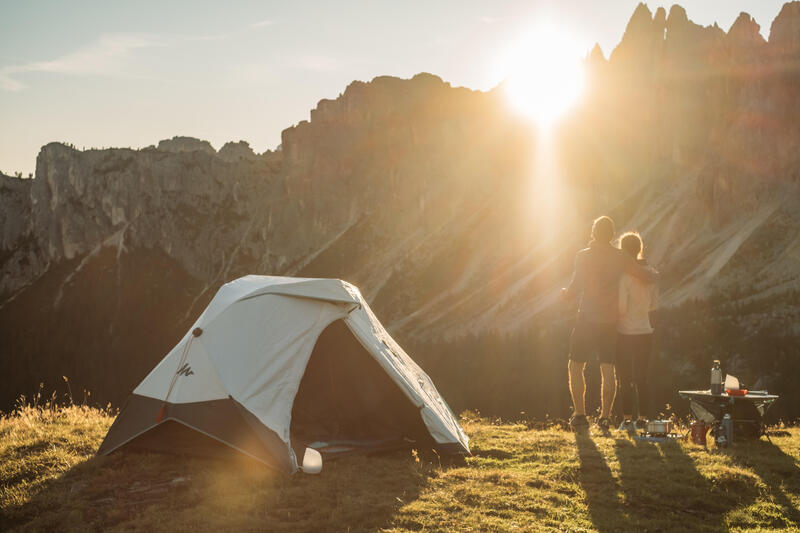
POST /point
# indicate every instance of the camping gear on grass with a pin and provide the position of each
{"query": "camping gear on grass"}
(657, 438)
(746, 411)
(275, 363)
(727, 428)
(723, 432)
(657, 431)
(658, 428)
(698, 432)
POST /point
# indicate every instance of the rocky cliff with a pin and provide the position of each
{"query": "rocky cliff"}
(435, 201)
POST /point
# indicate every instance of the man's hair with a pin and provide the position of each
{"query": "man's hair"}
(603, 229)
(631, 242)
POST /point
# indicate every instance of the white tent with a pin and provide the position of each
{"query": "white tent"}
(275, 364)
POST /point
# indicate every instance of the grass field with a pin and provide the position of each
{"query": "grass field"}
(520, 479)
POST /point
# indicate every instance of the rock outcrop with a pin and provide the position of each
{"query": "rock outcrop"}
(155, 199)
(238, 151)
(179, 144)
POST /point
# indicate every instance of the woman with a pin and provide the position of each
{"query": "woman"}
(634, 337)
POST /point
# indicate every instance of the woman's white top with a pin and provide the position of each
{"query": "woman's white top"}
(635, 302)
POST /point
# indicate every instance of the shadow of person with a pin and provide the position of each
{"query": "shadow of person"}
(174, 492)
(602, 490)
(661, 485)
(779, 471)
(638, 462)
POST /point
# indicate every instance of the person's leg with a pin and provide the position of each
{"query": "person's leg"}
(641, 364)
(624, 376)
(577, 387)
(579, 349)
(609, 388)
(606, 346)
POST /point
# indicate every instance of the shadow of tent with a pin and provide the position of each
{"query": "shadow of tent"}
(491, 453)
(779, 472)
(175, 492)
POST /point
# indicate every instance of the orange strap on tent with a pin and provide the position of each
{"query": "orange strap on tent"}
(161, 412)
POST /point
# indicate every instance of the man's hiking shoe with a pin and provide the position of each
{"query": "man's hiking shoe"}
(628, 426)
(578, 422)
(604, 424)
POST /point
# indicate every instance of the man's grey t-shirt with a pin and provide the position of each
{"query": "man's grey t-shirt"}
(596, 279)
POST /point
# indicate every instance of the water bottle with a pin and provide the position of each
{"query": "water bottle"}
(720, 439)
(716, 379)
(727, 428)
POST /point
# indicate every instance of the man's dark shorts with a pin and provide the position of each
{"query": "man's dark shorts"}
(593, 341)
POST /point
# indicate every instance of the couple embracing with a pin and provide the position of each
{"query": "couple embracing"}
(615, 287)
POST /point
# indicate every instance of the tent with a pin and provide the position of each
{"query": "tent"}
(279, 368)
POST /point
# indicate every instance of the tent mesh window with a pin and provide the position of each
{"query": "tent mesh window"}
(347, 401)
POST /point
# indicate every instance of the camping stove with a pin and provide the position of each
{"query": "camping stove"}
(658, 428)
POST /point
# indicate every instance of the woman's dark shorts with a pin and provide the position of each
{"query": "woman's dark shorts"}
(593, 341)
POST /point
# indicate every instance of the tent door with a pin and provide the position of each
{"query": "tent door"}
(347, 402)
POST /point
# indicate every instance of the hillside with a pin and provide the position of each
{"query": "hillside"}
(521, 477)
(456, 219)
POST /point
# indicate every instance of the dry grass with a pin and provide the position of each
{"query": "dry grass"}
(519, 479)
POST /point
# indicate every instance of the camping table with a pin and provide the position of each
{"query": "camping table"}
(712, 407)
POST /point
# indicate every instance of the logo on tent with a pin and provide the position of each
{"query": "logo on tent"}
(186, 370)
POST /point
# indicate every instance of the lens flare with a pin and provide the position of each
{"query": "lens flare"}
(544, 73)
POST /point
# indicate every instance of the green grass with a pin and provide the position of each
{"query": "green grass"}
(520, 479)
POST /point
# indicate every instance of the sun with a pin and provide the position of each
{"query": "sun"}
(543, 73)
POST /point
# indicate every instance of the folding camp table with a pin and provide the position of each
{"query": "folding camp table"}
(747, 412)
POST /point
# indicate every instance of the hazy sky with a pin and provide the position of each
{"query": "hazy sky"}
(131, 73)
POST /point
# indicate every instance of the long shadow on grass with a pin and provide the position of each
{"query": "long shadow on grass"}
(664, 490)
(602, 490)
(779, 472)
(169, 492)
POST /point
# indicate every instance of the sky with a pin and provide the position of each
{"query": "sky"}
(128, 74)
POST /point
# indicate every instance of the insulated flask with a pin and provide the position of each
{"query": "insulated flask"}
(727, 428)
(716, 379)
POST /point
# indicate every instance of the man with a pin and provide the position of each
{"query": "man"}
(598, 269)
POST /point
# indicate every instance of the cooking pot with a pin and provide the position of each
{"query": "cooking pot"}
(659, 427)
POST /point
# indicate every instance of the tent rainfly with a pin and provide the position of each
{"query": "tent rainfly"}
(276, 367)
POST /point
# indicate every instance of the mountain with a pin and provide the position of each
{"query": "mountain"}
(457, 220)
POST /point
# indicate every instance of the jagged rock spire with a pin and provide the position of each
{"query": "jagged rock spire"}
(784, 35)
(640, 40)
(745, 31)
(596, 56)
